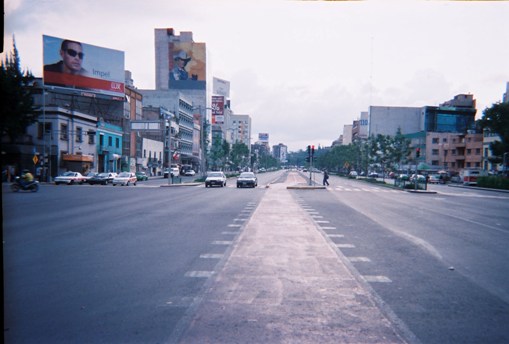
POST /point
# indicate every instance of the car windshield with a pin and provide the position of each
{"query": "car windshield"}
(124, 174)
(68, 174)
(215, 174)
(103, 175)
(247, 175)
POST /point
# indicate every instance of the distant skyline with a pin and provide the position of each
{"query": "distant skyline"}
(301, 69)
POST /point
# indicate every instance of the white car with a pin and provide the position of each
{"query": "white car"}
(189, 173)
(125, 178)
(70, 178)
(175, 172)
(215, 178)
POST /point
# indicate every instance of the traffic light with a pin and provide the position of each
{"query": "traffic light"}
(417, 152)
(309, 151)
(313, 150)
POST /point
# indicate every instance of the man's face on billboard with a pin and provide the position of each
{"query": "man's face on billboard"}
(73, 58)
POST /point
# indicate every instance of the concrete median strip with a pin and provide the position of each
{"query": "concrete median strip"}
(284, 282)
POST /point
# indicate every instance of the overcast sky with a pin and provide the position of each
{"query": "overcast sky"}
(300, 69)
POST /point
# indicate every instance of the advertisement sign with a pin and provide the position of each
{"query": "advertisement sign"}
(76, 65)
(263, 137)
(217, 110)
(221, 87)
(187, 65)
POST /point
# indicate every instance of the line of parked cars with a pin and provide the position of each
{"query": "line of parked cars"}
(103, 178)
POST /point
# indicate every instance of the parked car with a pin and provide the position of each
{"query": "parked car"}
(247, 179)
(353, 174)
(89, 175)
(434, 179)
(102, 178)
(189, 173)
(403, 177)
(215, 178)
(373, 175)
(173, 172)
(141, 176)
(125, 178)
(419, 177)
(70, 178)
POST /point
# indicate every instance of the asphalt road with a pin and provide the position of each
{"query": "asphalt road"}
(104, 264)
(439, 261)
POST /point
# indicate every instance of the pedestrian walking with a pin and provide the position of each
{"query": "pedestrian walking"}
(325, 178)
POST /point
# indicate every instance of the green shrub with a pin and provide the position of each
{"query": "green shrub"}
(493, 182)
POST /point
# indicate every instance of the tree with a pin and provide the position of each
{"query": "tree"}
(219, 151)
(496, 120)
(17, 104)
(400, 150)
(239, 155)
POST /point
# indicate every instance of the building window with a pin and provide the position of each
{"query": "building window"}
(79, 134)
(478, 151)
(144, 153)
(91, 137)
(110, 141)
(435, 140)
(101, 140)
(444, 140)
(64, 135)
(117, 142)
(434, 152)
(469, 151)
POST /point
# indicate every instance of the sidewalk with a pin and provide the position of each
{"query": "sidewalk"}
(284, 283)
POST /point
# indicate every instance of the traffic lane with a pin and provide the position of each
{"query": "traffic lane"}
(437, 304)
(119, 271)
(469, 233)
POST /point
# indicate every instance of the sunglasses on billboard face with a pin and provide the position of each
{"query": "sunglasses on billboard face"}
(73, 53)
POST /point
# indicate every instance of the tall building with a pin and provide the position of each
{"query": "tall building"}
(181, 88)
(240, 128)
(280, 152)
(386, 120)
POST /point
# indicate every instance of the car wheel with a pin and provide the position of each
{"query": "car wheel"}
(72, 182)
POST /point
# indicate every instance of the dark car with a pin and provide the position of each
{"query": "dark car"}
(141, 176)
(103, 178)
(247, 179)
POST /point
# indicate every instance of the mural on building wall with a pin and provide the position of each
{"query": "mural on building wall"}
(187, 65)
(76, 65)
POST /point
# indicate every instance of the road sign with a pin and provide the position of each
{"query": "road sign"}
(35, 159)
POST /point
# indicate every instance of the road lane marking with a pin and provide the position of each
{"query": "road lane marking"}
(199, 274)
(212, 255)
(234, 225)
(220, 242)
(345, 246)
(359, 259)
(336, 235)
(376, 279)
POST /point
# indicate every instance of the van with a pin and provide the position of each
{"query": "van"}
(469, 177)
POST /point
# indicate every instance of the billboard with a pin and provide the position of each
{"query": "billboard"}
(217, 110)
(75, 65)
(263, 137)
(221, 87)
(187, 65)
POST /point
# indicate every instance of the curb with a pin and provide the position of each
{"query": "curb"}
(306, 187)
(180, 184)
